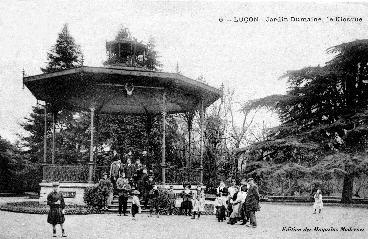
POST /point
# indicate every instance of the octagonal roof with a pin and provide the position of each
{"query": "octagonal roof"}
(105, 89)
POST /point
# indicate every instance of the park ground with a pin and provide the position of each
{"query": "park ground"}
(271, 220)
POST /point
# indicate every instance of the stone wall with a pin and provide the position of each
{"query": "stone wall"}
(73, 192)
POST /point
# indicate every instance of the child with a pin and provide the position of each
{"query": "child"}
(135, 203)
(56, 214)
(220, 207)
(318, 204)
(186, 205)
(172, 200)
(198, 202)
(153, 201)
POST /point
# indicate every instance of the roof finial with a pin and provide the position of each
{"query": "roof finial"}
(24, 74)
(177, 68)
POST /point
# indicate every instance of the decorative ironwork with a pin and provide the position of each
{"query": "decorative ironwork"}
(65, 173)
(182, 175)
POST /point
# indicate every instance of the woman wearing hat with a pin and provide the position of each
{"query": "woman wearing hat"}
(56, 214)
(186, 205)
(136, 205)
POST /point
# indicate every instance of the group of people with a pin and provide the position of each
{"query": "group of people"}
(126, 178)
(193, 201)
(238, 202)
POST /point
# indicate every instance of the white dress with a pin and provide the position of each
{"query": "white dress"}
(199, 202)
(238, 202)
(318, 204)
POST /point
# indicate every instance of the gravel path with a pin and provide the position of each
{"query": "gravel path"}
(271, 219)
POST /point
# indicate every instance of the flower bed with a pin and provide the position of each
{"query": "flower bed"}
(37, 208)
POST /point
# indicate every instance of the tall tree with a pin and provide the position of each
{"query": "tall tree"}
(324, 116)
(65, 54)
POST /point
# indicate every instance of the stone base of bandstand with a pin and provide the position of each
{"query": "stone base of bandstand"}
(73, 192)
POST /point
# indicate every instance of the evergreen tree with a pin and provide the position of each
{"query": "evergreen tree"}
(65, 54)
(324, 118)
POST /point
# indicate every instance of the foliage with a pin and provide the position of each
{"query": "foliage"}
(65, 54)
(324, 118)
(150, 62)
(37, 208)
(8, 158)
(94, 198)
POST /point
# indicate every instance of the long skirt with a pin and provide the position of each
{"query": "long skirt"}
(135, 209)
(236, 210)
(187, 205)
(198, 205)
(318, 205)
(55, 216)
(221, 213)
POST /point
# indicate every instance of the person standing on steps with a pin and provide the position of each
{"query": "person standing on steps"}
(106, 187)
(318, 203)
(123, 189)
(115, 168)
(56, 214)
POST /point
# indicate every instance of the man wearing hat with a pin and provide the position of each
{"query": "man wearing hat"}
(252, 202)
(106, 188)
(56, 214)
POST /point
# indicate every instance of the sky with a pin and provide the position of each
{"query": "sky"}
(247, 57)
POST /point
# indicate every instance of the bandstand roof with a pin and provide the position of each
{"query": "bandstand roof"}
(104, 88)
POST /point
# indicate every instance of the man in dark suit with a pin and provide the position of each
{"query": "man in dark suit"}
(252, 202)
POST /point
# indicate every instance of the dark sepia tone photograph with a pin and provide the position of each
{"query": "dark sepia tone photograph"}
(183, 119)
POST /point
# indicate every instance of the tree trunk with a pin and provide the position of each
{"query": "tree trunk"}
(347, 190)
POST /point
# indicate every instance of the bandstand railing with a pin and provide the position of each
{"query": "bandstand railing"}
(65, 173)
(182, 175)
(72, 173)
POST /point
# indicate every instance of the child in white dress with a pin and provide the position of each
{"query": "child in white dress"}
(318, 203)
(136, 205)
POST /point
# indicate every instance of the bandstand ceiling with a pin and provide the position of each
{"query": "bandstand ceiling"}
(104, 88)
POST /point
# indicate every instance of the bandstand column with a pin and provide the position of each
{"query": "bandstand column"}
(53, 137)
(163, 163)
(44, 145)
(201, 115)
(91, 162)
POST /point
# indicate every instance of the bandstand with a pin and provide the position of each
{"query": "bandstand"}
(124, 87)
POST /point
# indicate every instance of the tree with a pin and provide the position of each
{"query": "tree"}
(325, 114)
(65, 54)
(7, 161)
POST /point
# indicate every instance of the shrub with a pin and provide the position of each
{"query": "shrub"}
(94, 198)
(37, 208)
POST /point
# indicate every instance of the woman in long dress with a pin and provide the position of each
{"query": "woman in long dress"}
(56, 214)
(237, 205)
(318, 203)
